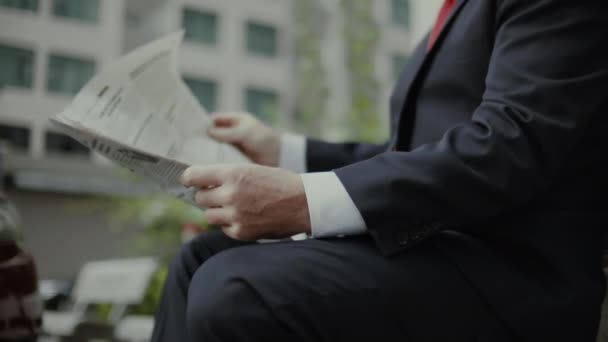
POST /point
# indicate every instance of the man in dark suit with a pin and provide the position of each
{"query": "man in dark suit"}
(480, 220)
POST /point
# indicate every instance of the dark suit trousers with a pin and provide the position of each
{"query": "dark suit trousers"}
(219, 289)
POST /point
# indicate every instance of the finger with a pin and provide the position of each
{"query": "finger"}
(210, 197)
(219, 217)
(229, 135)
(235, 232)
(225, 119)
(204, 176)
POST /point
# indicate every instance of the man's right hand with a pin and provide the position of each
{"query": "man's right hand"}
(257, 141)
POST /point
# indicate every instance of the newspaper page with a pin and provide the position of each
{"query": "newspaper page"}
(139, 113)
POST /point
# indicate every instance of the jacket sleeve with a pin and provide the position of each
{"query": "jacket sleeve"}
(545, 84)
(325, 156)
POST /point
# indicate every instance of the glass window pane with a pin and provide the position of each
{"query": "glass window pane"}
(67, 75)
(261, 39)
(200, 26)
(16, 67)
(399, 62)
(205, 91)
(57, 143)
(263, 103)
(87, 10)
(15, 137)
(401, 13)
(30, 5)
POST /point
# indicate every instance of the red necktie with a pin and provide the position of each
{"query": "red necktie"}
(441, 18)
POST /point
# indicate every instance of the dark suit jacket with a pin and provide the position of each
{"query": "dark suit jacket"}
(499, 156)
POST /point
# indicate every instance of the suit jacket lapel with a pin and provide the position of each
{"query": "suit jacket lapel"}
(410, 79)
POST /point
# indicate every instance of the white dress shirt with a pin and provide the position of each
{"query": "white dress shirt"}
(332, 211)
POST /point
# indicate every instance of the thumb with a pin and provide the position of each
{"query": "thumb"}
(234, 231)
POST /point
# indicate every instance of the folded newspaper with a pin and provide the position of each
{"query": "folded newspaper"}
(139, 113)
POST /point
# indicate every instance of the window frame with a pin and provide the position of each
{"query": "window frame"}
(35, 8)
(31, 80)
(398, 20)
(19, 126)
(203, 12)
(255, 51)
(270, 116)
(67, 56)
(79, 150)
(81, 19)
(210, 81)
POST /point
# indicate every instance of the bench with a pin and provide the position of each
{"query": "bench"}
(120, 282)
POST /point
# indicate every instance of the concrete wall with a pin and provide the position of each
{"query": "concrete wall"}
(64, 231)
(424, 14)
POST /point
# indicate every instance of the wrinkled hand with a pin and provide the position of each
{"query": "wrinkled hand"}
(251, 202)
(253, 138)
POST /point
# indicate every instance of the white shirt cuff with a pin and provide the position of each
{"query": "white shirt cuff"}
(332, 211)
(293, 153)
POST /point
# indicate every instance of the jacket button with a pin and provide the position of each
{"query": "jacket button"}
(403, 238)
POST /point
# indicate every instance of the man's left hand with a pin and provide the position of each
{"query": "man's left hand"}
(251, 202)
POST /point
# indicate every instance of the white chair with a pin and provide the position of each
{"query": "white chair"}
(121, 282)
(134, 329)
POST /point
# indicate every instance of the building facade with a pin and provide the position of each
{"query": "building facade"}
(237, 55)
(48, 49)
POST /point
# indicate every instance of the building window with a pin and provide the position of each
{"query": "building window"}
(66, 75)
(29, 5)
(57, 143)
(85, 10)
(399, 62)
(262, 39)
(263, 103)
(205, 91)
(15, 137)
(16, 67)
(200, 26)
(401, 13)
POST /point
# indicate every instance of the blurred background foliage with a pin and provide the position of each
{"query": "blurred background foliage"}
(312, 90)
(361, 35)
(163, 220)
